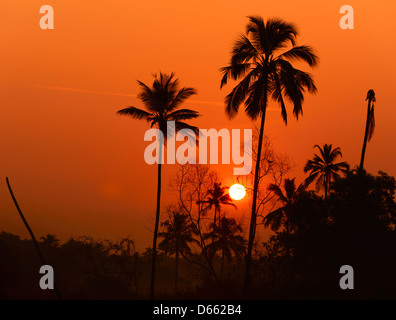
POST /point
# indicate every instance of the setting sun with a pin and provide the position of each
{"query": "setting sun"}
(237, 191)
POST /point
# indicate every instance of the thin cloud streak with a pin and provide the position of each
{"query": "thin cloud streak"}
(126, 95)
(87, 91)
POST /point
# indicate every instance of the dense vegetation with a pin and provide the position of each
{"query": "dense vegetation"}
(313, 237)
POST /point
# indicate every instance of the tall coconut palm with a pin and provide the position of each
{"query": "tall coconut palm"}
(177, 237)
(370, 124)
(161, 102)
(218, 197)
(228, 240)
(262, 60)
(323, 169)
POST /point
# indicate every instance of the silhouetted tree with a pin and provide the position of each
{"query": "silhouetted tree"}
(125, 255)
(161, 103)
(266, 73)
(370, 124)
(323, 169)
(281, 216)
(192, 183)
(286, 215)
(178, 236)
(227, 239)
(218, 197)
(50, 240)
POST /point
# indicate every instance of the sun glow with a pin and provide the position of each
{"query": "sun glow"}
(237, 191)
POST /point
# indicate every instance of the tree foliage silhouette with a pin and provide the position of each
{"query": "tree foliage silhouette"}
(50, 240)
(266, 72)
(323, 169)
(218, 197)
(162, 102)
(227, 240)
(178, 235)
(281, 216)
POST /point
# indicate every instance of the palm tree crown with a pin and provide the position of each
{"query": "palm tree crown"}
(50, 240)
(217, 196)
(178, 234)
(162, 102)
(266, 71)
(323, 169)
(281, 216)
(228, 239)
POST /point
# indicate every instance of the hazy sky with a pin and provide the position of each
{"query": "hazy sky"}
(77, 168)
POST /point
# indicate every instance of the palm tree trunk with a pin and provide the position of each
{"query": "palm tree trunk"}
(31, 234)
(326, 185)
(287, 240)
(222, 262)
(157, 216)
(252, 229)
(176, 266)
(365, 136)
(214, 224)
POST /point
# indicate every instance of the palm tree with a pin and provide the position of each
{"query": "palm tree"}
(177, 237)
(217, 197)
(283, 215)
(370, 124)
(50, 240)
(227, 240)
(266, 73)
(161, 102)
(323, 168)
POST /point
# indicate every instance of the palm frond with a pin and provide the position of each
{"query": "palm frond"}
(256, 29)
(238, 94)
(149, 98)
(274, 219)
(257, 98)
(277, 191)
(233, 71)
(183, 114)
(280, 34)
(301, 53)
(311, 178)
(182, 95)
(290, 187)
(243, 51)
(277, 96)
(134, 113)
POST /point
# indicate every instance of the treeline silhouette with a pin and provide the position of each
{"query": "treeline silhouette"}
(313, 236)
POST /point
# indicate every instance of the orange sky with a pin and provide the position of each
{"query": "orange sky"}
(78, 168)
